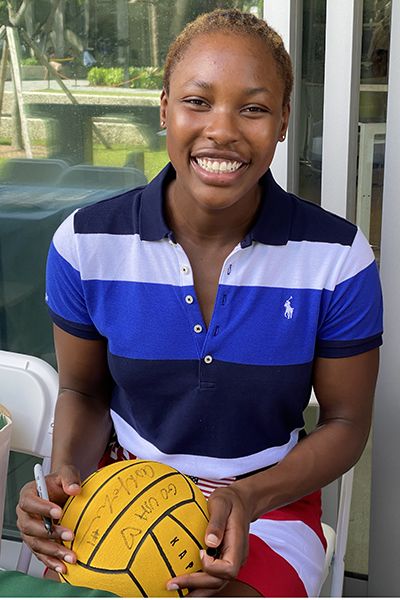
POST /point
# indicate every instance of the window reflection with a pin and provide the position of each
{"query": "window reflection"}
(312, 99)
(372, 118)
(372, 110)
(79, 120)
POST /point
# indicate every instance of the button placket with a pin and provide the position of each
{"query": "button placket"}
(185, 269)
(193, 311)
(207, 373)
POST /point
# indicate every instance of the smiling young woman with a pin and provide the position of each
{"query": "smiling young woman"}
(193, 316)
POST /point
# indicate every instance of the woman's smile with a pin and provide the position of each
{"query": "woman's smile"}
(212, 165)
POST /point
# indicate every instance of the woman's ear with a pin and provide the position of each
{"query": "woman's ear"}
(163, 107)
(285, 121)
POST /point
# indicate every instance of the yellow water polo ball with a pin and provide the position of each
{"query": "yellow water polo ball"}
(136, 524)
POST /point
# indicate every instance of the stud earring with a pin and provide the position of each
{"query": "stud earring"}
(282, 138)
(162, 123)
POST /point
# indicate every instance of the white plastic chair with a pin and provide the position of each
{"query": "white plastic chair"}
(29, 389)
(337, 537)
(5, 439)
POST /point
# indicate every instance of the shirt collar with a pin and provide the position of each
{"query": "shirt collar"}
(272, 225)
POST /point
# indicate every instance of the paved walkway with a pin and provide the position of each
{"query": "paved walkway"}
(80, 85)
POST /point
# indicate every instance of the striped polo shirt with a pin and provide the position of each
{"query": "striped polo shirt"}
(225, 400)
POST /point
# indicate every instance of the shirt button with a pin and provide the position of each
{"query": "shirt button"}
(185, 269)
(208, 359)
(197, 328)
(189, 299)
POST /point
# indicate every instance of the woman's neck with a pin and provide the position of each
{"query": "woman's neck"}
(213, 228)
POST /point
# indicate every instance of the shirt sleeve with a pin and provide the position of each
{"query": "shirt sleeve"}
(351, 318)
(65, 295)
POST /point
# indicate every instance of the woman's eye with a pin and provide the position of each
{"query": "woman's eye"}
(195, 101)
(255, 109)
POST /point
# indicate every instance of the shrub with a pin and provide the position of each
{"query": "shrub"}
(134, 76)
(97, 76)
(114, 76)
(149, 78)
(30, 61)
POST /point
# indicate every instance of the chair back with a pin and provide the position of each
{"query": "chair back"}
(96, 177)
(5, 439)
(32, 171)
(29, 389)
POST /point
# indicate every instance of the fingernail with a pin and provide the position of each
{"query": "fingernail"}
(171, 587)
(74, 486)
(212, 540)
(55, 513)
(67, 536)
(69, 559)
(58, 569)
(202, 554)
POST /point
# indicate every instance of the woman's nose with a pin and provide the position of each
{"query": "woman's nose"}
(222, 127)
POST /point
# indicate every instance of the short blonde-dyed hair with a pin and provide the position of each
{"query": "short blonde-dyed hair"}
(237, 22)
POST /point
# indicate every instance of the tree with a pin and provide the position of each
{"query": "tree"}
(3, 13)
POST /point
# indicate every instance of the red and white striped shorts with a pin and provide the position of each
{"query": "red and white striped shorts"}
(286, 546)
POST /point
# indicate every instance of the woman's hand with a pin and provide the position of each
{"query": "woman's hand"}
(30, 512)
(227, 531)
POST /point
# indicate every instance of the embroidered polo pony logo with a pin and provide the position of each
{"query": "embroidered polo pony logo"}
(288, 308)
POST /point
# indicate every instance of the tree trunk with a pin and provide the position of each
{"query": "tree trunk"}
(29, 19)
(153, 35)
(13, 43)
(3, 73)
(58, 31)
(16, 138)
(180, 17)
(122, 31)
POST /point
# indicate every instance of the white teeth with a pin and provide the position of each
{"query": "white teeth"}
(215, 166)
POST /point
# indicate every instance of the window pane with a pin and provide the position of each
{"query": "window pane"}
(372, 118)
(312, 99)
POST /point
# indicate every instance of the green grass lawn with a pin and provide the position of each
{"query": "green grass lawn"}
(154, 161)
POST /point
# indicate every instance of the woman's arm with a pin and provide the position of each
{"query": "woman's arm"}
(345, 389)
(81, 431)
(82, 420)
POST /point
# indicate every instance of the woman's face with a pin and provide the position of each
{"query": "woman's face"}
(224, 116)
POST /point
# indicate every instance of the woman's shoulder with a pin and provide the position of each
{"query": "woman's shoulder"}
(311, 222)
(116, 214)
(301, 220)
